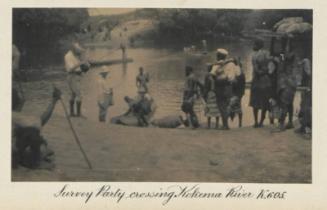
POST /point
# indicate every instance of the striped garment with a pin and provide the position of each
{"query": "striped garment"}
(211, 105)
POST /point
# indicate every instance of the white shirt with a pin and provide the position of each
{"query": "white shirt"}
(71, 61)
(103, 89)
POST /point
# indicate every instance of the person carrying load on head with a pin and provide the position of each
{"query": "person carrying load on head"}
(75, 65)
(223, 85)
(105, 96)
(141, 81)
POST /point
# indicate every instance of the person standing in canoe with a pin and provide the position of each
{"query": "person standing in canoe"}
(261, 88)
(141, 81)
(105, 97)
(75, 65)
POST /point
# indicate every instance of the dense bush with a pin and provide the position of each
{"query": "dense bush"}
(36, 32)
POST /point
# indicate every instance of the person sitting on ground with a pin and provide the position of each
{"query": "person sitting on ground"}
(29, 148)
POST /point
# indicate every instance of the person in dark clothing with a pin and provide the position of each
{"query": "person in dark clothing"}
(261, 88)
(223, 86)
(238, 92)
(26, 136)
(286, 88)
(305, 114)
(140, 107)
(190, 94)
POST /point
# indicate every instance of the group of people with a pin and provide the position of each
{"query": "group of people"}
(272, 90)
(221, 93)
(274, 86)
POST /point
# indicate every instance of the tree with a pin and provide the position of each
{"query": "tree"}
(36, 32)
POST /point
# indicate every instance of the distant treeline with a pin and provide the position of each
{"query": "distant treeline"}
(189, 25)
(37, 32)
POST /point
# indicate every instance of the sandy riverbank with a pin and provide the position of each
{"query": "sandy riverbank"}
(120, 153)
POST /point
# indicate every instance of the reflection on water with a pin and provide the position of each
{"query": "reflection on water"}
(166, 70)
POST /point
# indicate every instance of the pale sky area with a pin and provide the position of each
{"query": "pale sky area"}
(107, 11)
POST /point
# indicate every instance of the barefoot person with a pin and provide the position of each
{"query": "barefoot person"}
(75, 65)
(141, 81)
(261, 88)
(305, 114)
(223, 85)
(211, 109)
(238, 86)
(190, 94)
(105, 97)
(140, 107)
(286, 88)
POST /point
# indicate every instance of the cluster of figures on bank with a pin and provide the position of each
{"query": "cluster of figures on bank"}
(273, 89)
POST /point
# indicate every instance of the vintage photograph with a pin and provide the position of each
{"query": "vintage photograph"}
(162, 95)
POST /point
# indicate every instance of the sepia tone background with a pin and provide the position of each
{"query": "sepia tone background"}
(312, 194)
(121, 153)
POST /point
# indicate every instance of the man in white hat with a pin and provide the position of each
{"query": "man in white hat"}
(105, 97)
(75, 65)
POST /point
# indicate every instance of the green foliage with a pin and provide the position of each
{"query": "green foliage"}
(36, 32)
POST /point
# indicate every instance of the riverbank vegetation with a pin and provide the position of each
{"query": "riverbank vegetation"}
(41, 34)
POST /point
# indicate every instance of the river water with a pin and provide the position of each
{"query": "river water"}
(166, 71)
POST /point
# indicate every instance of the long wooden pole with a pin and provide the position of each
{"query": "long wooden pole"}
(75, 135)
